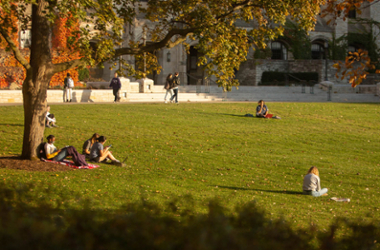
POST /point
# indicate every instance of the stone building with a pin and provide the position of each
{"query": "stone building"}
(324, 40)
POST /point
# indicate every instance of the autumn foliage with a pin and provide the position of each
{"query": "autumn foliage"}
(12, 71)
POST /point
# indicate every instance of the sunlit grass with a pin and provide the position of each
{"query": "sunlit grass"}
(212, 150)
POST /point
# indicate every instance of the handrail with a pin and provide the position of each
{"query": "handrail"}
(294, 77)
(192, 76)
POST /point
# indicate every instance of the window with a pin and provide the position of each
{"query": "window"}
(279, 51)
(317, 51)
(352, 13)
(25, 39)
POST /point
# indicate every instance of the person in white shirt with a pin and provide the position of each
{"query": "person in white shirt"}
(68, 88)
(50, 119)
(53, 153)
(312, 183)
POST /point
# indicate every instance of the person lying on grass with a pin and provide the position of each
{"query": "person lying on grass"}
(262, 111)
(312, 183)
(100, 154)
(88, 145)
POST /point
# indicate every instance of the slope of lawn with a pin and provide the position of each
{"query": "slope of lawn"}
(209, 151)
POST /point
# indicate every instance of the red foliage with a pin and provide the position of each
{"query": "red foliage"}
(12, 71)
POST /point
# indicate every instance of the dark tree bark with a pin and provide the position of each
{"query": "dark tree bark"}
(35, 85)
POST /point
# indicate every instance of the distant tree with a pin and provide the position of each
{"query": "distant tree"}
(212, 23)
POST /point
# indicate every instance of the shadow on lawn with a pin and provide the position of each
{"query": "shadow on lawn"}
(13, 125)
(263, 190)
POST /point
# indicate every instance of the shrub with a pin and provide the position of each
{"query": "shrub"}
(279, 78)
(84, 74)
(29, 220)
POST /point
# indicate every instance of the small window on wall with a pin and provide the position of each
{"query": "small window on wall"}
(352, 13)
(317, 51)
(279, 51)
(25, 39)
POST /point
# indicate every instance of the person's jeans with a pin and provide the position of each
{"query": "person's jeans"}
(61, 155)
(316, 193)
(168, 91)
(116, 93)
(175, 95)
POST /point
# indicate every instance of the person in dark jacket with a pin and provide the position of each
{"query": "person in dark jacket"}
(116, 86)
(168, 85)
(175, 87)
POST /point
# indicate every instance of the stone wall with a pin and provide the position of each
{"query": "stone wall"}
(82, 95)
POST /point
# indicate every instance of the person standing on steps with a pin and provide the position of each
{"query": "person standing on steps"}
(175, 85)
(68, 88)
(168, 86)
(115, 84)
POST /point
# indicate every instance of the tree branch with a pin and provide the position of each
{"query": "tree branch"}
(156, 45)
(59, 67)
(16, 51)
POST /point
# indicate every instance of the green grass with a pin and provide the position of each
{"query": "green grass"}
(212, 151)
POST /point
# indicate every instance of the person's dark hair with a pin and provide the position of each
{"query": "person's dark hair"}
(102, 139)
(95, 136)
(68, 74)
(167, 78)
(50, 137)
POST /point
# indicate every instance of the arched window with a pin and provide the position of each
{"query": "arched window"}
(279, 51)
(317, 51)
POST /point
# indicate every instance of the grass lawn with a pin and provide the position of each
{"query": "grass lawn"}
(212, 151)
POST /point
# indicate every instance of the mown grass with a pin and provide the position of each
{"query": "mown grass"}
(212, 151)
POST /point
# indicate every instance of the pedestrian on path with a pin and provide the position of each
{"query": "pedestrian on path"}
(168, 86)
(68, 88)
(175, 85)
(116, 86)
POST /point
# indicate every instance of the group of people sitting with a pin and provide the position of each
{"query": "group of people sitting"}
(93, 150)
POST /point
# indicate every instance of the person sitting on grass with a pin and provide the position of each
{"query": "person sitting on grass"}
(53, 153)
(88, 145)
(100, 154)
(312, 183)
(262, 111)
(50, 119)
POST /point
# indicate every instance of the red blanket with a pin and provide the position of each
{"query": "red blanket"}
(71, 164)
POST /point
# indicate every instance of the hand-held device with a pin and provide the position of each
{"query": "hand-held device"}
(109, 146)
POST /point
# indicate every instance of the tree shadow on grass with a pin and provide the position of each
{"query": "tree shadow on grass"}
(263, 190)
(13, 125)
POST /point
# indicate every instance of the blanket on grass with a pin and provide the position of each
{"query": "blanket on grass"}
(71, 164)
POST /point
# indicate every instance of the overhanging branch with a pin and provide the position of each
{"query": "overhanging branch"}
(14, 49)
(59, 67)
(156, 45)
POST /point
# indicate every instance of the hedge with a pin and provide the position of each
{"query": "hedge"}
(28, 222)
(273, 77)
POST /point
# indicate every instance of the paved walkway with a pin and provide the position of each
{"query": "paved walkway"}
(248, 94)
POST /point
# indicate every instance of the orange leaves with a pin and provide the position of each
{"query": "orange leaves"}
(355, 67)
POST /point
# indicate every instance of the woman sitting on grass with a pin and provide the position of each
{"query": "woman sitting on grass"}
(52, 153)
(262, 111)
(100, 154)
(88, 145)
(312, 183)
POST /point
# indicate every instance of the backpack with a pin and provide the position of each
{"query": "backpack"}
(41, 153)
(70, 83)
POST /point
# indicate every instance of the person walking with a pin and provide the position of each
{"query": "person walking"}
(115, 84)
(175, 85)
(168, 86)
(68, 88)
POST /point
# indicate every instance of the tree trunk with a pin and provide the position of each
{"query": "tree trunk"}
(34, 88)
